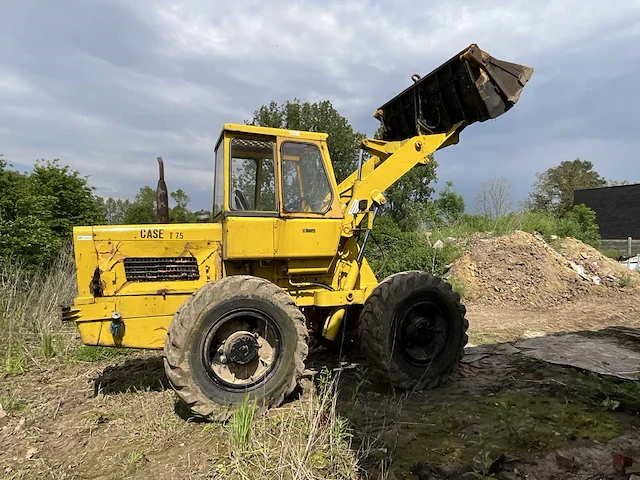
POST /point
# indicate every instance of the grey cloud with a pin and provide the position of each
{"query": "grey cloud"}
(108, 86)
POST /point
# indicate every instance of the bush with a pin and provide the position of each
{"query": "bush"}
(39, 210)
(414, 250)
(391, 250)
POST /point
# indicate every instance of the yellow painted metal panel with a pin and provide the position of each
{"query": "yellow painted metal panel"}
(145, 332)
(85, 258)
(145, 318)
(248, 237)
(113, 244)
(274, 132)
(307, 238)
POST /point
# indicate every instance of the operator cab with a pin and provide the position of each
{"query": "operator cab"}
(283, 180)
(272, 171)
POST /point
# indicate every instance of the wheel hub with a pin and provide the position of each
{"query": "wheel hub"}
(241, 347)
(423, 332)
(418, 328)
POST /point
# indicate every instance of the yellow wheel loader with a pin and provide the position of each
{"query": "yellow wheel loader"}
(234, 298)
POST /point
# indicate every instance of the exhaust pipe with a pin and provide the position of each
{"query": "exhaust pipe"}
(470, 87)
(162, 196)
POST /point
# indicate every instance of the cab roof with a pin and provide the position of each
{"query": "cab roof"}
(279, 132)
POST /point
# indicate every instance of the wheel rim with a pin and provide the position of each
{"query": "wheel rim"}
(241, 349)
(421, 332)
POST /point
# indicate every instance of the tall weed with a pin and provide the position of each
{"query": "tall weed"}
(30, 307)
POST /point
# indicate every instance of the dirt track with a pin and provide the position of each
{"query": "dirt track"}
(111, 419)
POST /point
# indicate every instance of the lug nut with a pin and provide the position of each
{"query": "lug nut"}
(223, 359)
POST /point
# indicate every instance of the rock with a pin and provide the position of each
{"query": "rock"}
(2, 412)
(635, 468)
(565, 459)
(438, 245)
(620, 462)
(426, 471)
(634, 477)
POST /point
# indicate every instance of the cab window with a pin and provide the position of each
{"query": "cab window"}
(253, 183)
(218, 185)
(305, 182)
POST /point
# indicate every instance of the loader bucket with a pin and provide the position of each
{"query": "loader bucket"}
(470, 87)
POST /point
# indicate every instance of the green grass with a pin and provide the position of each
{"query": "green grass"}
(11, 404)
(48, 350)
(29, 310)
(86, 353)
(306, 439)
(457, 286)
(512, 423)
(15, 360)
(609, 394)
(241, 425)
(479, 338)
(624, 281)
(131, 460)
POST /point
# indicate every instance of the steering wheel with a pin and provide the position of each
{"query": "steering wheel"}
(294, 205)
(298, 204)
(241, 200)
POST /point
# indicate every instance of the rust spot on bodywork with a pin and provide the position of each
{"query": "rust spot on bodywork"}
(97, 285)
(121, 287)
(187, 250)
(218, 261)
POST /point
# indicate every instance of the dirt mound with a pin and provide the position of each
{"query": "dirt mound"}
(523, 270)
(608, 270)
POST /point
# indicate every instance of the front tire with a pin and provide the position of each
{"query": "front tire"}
(239, 335)
(413, 330)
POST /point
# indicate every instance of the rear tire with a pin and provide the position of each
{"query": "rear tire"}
(239, 335)
(413, 330)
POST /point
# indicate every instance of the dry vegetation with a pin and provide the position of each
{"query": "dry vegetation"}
(70, 411)
(29, 312)
(113, 395)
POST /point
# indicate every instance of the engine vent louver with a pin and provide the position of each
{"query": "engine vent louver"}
(161, 269)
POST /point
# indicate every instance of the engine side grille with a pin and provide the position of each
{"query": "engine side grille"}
(161, 269)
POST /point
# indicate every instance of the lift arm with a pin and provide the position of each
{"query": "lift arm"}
(388, 163)
(470, 87)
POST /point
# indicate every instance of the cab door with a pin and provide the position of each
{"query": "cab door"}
(310, 217)
(252, 201)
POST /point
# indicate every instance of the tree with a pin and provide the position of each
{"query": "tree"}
(409, 199)
(143, 208)
(494, 198)
(39, 210)
(181, 213)
(343, 141)
(113, 209)
(553, 189)
(448, 207)
(73, 199)
(615, 183)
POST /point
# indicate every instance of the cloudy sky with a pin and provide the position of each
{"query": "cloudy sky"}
(107, 86)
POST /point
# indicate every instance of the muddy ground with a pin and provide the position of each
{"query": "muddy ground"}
(115, 418)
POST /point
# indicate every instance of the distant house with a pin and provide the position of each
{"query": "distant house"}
(617, 211)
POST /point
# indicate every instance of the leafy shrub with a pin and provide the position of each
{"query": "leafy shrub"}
(392, 250)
